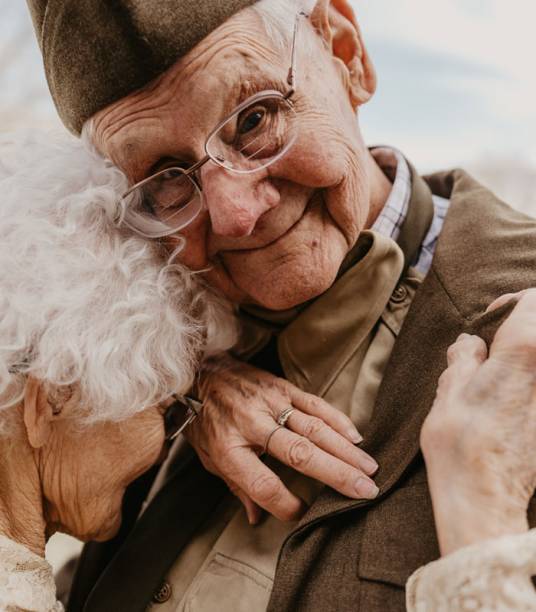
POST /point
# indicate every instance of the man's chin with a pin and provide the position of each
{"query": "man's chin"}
(290, 287)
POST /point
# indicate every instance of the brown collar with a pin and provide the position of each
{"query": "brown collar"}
(476, 261)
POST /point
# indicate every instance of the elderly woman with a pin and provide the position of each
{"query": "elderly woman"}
(96, 335)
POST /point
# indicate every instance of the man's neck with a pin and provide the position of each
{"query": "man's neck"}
(21, 503)
(380, 188)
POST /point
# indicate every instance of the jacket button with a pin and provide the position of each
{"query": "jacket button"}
(399, 294)
(163, 593)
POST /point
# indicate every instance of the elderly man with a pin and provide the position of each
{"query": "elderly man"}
(236, 124)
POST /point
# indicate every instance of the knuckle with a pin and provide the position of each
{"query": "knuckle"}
(453, 351)
(342, 479)
(314, 428)
(300, 454)
(266, 489)
(309, 403)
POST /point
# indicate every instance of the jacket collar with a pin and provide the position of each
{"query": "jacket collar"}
(317, 345)
(445, 306)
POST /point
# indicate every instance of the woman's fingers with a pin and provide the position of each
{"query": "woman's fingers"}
(305, 457)
(323, 436)
(317, 407)
(262, 486)
(514, 345)
(465, 357)
(253, 511)
(504, 299)
(468, 352)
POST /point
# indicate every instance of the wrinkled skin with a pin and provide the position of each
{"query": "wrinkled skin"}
(235, 424)
(479, 436)
(57, 477)
(275, 238)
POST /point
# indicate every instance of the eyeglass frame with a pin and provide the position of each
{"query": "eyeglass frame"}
(187, 407)
(190, 172)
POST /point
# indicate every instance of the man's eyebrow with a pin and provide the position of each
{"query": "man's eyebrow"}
(254, 83)
(131, 156)
(246, 84)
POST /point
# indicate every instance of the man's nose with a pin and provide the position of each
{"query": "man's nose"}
(235, 202)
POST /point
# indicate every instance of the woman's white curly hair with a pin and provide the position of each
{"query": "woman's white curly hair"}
(83, 302)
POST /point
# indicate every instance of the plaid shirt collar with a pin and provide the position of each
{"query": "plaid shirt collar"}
(390, 221)
(394, 212)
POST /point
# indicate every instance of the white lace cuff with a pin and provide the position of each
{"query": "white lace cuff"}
(493, 576)
(26, 580)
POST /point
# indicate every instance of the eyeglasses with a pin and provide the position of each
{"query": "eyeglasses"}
(254, 136)
(181, 413)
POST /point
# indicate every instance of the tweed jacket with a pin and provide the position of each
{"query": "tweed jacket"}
(347, 554)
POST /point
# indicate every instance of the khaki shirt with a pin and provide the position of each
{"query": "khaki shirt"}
(230, 566)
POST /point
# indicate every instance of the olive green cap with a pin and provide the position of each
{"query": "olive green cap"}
(96, 52)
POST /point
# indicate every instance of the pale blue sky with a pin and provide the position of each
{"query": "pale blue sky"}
(456, 81)
(456, 78)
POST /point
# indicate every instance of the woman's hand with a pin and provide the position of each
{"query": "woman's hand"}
(238, 423)
(478, 440)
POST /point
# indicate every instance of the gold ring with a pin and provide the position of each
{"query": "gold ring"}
(285, 416)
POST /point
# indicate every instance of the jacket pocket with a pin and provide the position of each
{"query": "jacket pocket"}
(228, 585)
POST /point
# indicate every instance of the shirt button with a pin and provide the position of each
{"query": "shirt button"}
(399, 294)
(163, 594)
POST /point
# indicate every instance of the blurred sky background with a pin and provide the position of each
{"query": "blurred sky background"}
(457, 84)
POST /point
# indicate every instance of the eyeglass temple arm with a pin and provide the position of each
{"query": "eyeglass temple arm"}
(291, 78)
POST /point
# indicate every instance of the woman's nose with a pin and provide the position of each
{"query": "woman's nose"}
(235, 202)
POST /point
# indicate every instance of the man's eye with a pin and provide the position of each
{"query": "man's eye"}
(171, 173)
(251, 120)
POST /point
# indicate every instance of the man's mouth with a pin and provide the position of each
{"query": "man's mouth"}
(249, 248)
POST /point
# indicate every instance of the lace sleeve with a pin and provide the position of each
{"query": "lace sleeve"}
(26, 580)
(490, 576)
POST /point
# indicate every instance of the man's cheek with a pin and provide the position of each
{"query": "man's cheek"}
(348, 210)
(193, 240)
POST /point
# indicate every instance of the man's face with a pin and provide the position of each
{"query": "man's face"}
(276, 237)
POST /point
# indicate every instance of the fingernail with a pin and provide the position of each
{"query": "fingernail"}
(366, 488)
(369, 465)
(354, 435)
(250, 513)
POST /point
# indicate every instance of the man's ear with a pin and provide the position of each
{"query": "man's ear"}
(336, 23)
(37, 413)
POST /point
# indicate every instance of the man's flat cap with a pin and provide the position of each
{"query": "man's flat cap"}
(95, 52)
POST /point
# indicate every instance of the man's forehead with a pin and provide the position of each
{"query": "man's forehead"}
(192, 102)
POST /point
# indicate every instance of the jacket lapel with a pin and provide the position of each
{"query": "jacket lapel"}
(405, 396)
(472, 233)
